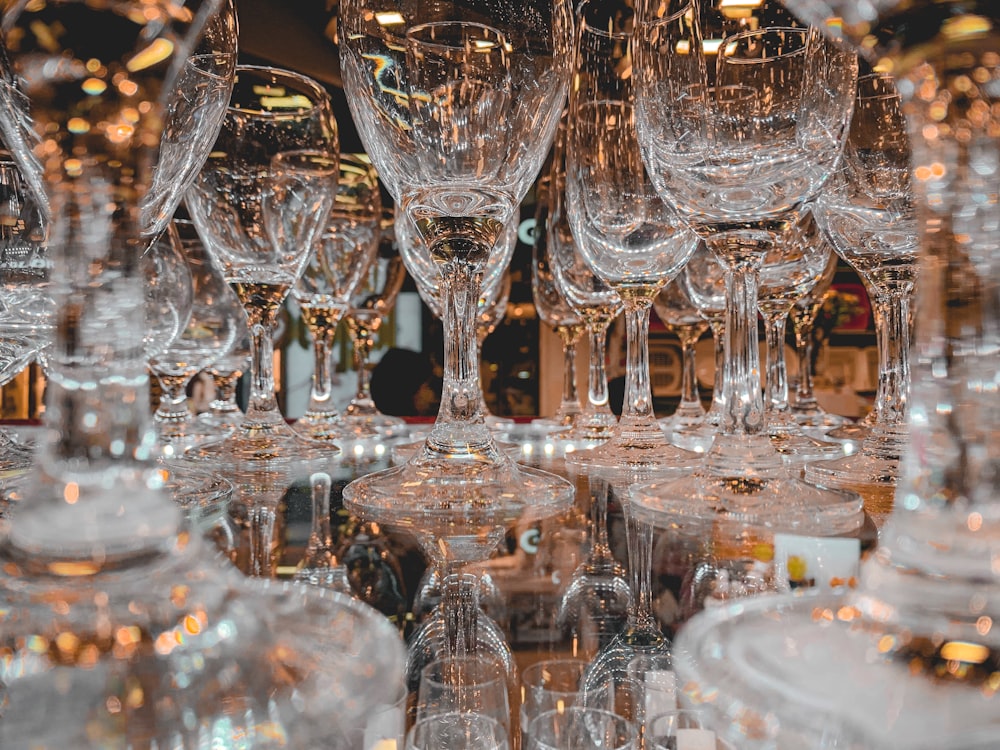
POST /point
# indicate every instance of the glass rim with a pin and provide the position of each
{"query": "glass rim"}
(686, 8)
(867, 78)
(805, 32)
(271, 74)
(597, 30)
(628, 726)
(501, 42)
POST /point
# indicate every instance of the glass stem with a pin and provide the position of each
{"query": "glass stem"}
(263, 406)
(893, 323)
(639, 538)
(597, 380)
(776, 398)
(638, 404)
(718, 407)
(225, 392)
(601, 548)
(460, 425)
(460, 607)
(263, 516)
(321, 393)
(319, 552)
(805, 397)
(363, 343)
(690, 405)
(173, 405)
(570, 336)
(742, 256)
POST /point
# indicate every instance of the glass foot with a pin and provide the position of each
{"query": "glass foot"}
(795, 445)
(265, 442)
(381, 424)
(854, 431)
(872, 475)
(638, 449)
(177, 438)
(817, 418)
(333, 427)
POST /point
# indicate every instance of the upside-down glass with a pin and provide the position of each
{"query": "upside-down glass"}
(915, 644)
(344, 250)
(147, 617)
(626, 234)
(474, 105)
(868, 213)
(580, 728)
(738, 156)
(259, 203)
(555, 312)
(210, 332)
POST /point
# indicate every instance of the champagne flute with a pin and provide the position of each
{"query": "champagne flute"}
(344, 251)
(259, 203)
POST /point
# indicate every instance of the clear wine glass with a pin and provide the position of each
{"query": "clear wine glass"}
(373, 300)
(555, 312)
(739, 155)
(786, 276)
(679, 314)
(138, 600)
(591, 298)
(344, 251)
(581, 728)
(806, 410)
(480, 92)
(210, 332)
(458, 731)
(868, 213)
(259, 203)
(626, 234)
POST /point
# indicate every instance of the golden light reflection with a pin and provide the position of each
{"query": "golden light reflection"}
(158, 51)
(962, 651)
(71, 493)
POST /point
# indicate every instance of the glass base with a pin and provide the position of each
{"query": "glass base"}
(744, 479)
(178, 437)
(697, 436)
(812, 671)
(272, 442)
(381, 424)
(231, 419)
(332, 426)
(794, 444)
(871, 474)
(460, 500)
(817, 417)
(634, 449)
(853, 431)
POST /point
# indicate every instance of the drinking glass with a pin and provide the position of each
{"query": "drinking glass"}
(345, 249)
(555, 312)
(210, 332)
(477, 102)
(374, 299)
(738, 156)
(97, 555)
(626, 234)
(587, 295)
(580, 728)
(259, 203)
(466, 684)
(868, 213)
(785, 277)
(806, 410)
(679, 314)
(458, 731)
(549, 685)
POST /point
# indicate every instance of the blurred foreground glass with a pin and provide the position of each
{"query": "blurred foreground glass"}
(580, 728)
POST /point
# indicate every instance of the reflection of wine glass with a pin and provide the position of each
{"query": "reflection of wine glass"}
(210, 332)
(372, 301)
(625, 233)
(344, 251)
(143, 598)
(477, 96)
(739, 159)
(555, 311)
(259, 203)
(679, 314)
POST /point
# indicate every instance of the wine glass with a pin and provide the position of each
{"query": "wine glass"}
(806, 410)
(373, 300)
(581, 728)
(157, 616)
(587, 295)
(679, 314)
(465, 684)
(458, 145)
(458, 731)
(210, 332)
(739, 155)
(555, 312)
(785, 277)
(868, 213)
(913, 596)
(344, 251)
(625, 233)
(259, 203)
